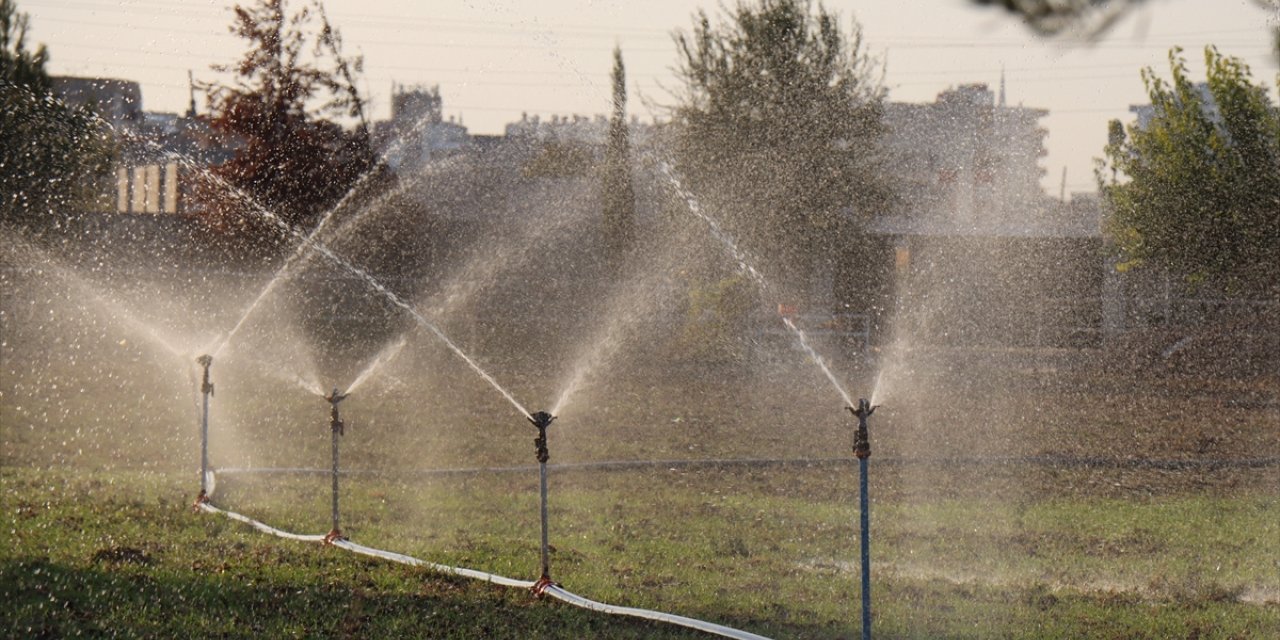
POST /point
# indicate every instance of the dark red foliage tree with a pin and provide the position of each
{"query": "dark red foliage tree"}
(293, 159)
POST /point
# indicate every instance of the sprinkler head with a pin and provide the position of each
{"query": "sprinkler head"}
(205, 361)
(541, 419)
(335, 423)
(335, 397)
(864, 410)
(861, 437)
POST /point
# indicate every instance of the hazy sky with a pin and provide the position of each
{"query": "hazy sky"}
(494, 59)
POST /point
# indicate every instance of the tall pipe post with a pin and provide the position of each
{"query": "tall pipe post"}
(206, 390)
(862, 450)
(336, 428)
(541, 420)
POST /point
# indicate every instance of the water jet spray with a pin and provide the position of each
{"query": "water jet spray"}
(745, 266)
(862, 450)
(336, 428)
(206, 390)
(542, 420)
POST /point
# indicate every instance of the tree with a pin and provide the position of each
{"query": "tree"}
(779, 122)
(51, 154)
(619, 195)
(293, 159)
(1197, 189)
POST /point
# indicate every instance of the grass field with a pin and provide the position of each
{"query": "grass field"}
(1014, 494)
(123, 555)
(770, 551)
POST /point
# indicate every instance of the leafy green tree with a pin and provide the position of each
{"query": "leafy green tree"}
(1196, 190)
(52, 155)
(293, 157)
(619, 195)
(777, 126)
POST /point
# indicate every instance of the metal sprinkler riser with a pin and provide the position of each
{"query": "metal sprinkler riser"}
(336, 428)
(862, 450)
(206, 390)
(541, 420)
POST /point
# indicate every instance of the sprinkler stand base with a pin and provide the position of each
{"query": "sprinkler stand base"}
(333, 536)
(202, 498)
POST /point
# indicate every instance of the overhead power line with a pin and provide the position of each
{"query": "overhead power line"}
(145, 22)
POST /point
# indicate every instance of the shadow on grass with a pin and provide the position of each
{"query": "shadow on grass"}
(125, 592)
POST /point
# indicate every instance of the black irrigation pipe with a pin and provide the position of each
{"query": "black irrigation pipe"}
(1066, 462)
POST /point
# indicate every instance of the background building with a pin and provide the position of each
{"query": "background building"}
(117, 102)
(417, 131)
(967, 161)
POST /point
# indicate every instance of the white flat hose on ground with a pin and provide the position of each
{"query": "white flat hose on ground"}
(552, 590)
(410, 560)
(555, 591)
(265, 528)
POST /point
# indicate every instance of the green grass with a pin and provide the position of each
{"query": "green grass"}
(128, 558)
(768, 551)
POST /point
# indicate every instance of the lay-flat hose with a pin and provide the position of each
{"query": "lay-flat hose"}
(410, 560)
(552, 590)
(558, 593)
(265, 528)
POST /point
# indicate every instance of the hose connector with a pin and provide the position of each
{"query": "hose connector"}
(861, 437)
(201, 499)
(542, 585)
